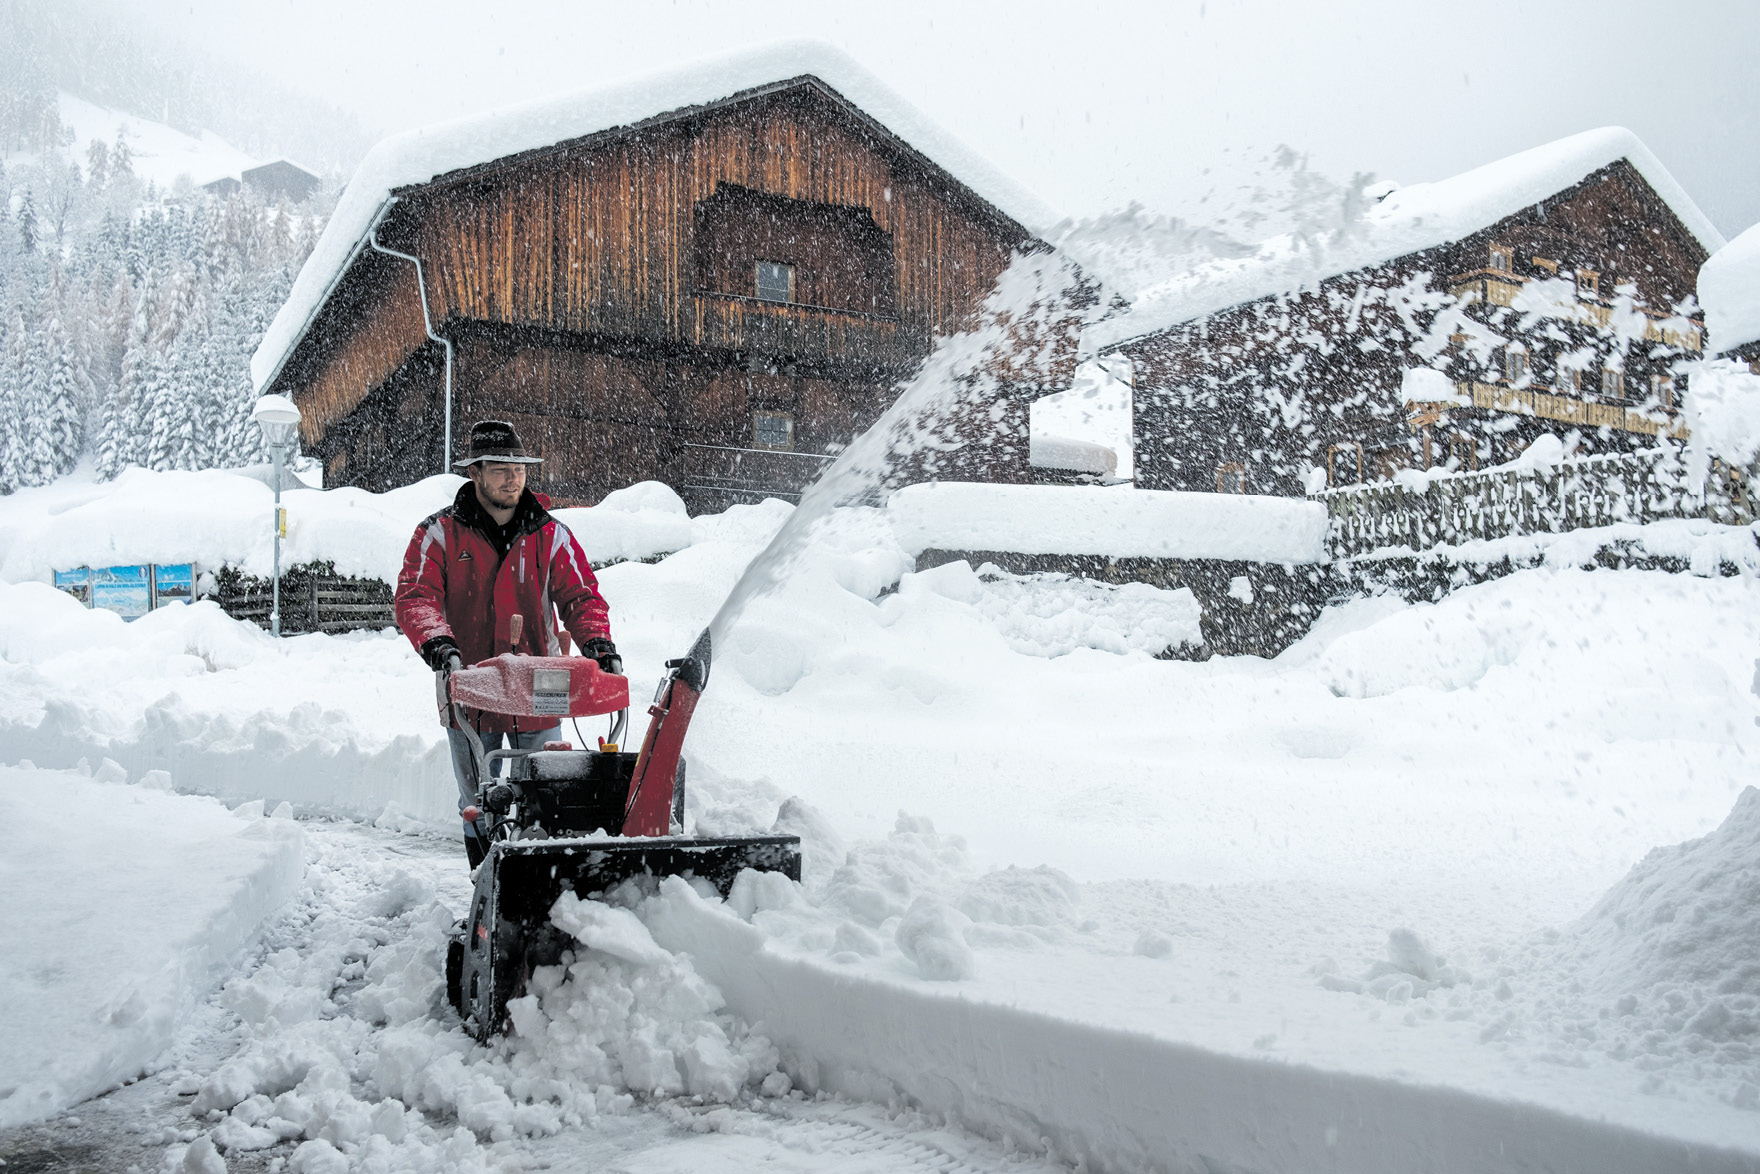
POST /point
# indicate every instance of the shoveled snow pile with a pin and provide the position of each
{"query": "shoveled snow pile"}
(1053, 614)
(1670, 959)
(348, 1054)
(216, 518)
(1119, 521)
(124, 907)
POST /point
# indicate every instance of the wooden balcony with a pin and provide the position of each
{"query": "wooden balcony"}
(819, 334)
(751, 474)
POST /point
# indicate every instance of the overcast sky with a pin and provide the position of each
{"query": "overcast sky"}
(1093, 104)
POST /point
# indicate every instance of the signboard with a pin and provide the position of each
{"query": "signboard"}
(127, 591)
(173, 584)
(76, 583)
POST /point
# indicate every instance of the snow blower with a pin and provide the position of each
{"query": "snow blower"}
(584, 821)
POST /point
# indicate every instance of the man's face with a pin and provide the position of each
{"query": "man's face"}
(499, 483)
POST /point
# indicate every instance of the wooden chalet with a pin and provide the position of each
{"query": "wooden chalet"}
(717, 294)
(1549, 292)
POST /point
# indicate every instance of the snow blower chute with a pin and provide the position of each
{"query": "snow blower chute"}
(582, 821)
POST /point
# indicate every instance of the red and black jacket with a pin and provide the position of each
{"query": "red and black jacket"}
(497, 589)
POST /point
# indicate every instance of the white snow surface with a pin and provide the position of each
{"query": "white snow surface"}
(1729, 293)
(417, 156)
(219, 518)
(126, 906)
(1364, 873)
(158, 152)
(1410, 219)
(1047, 451)
(1119, 521)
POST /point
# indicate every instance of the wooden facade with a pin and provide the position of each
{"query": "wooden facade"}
(1561, 318)
(606, 295)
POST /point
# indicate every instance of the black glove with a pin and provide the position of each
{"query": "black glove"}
(605, 652)
(437, 650)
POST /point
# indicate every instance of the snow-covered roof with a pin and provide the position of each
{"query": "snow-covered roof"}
(1406, 221)
(1729, 293)
(418, 156)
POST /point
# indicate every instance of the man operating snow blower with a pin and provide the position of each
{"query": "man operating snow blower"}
(490, 574)
(483, 584)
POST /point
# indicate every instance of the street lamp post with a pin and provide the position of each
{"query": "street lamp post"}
(278, 417)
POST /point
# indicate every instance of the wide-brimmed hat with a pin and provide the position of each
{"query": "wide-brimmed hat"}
(495, 440)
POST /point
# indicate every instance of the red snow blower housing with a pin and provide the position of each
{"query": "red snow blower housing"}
(580, 821)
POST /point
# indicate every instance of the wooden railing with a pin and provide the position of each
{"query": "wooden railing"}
(752, 472)
(1498, 503)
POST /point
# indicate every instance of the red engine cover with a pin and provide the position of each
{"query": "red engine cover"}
(540, 686)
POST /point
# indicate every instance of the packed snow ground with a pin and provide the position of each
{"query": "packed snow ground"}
(1383, 855)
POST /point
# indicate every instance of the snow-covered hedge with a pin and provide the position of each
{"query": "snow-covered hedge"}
(1122, 523)
(220, 518)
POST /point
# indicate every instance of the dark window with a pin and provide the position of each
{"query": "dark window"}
(1231, 477)
(775, 281)
(1588, 283)
(1515, 363)
(773, 430)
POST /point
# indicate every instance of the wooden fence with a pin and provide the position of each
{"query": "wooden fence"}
(313, 599)
(1576, 494)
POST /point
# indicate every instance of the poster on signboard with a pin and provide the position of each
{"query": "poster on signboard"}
(76, 583)
(173, 584)
(127, 591)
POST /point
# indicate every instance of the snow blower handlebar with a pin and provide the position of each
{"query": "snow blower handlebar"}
(527, 686)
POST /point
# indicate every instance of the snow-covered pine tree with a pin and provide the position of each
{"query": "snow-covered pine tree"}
(120, 442)
(36, 444)
(26, 219)
(14, 358)
(64, 405)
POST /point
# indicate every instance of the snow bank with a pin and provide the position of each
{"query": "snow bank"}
(1411, 218)
(211, 517)
(1669, 955)
(1116, 1100)
(417, 156)
(1122, 523)
(217, 517)
(638, 522)
(124, 904)
(1729, 292)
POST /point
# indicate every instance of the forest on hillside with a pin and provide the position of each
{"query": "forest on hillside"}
(129, 310)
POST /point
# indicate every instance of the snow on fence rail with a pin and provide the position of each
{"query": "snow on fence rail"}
(1573, 495)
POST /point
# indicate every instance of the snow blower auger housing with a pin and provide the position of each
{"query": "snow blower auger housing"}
(580, 821)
